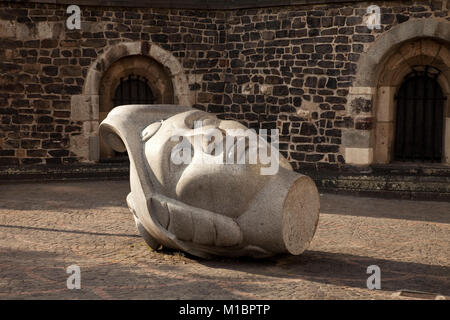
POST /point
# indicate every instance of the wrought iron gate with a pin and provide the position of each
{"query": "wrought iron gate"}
(420, 117)
(133, 90)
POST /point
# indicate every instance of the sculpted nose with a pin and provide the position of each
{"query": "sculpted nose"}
(213, 140)
(210, 122)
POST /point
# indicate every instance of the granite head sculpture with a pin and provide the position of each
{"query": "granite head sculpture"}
(209, 208)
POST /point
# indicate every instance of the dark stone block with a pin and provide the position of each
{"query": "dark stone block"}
(308, 129)
(363, 38)
(336, 100)
(307, 48)
(352, 21)
(111, 34)
(22, 119)
(333, 133)
(361, 105)
(53, 161)
(273, 80)
(402, 18)
(89, 52)
(239, 99)
(319, 139)
(161, 38)
(313, 22)
(216, 108)
(237, 63)
(343, 48)
(73, 90)
(273, 25)
(45, 119)
(297, 156)
(311, 82)
(328, 115)
(346, 30)
(324, 48)
(331, 83)
(216, 87)
(49, 43)
(7, 153)
(305, 147)
(327, 22)
(302, 139)
(58, 153)
(297, 101)
(234, 38)
(314, 157)
(30, 144)
(364, 123)
(280, 91)
(327, 148)
(287, 108)
(339, 21)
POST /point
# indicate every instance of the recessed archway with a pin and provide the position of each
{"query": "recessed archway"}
(381, 70)
(86, 107)
(395, 68)
(155, 76)
(419, 117)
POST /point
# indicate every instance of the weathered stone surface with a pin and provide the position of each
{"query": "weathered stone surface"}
(84, 107)
(207, 208)
(292, 59)
(95, 221)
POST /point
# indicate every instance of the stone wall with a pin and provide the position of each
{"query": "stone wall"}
(290, 67)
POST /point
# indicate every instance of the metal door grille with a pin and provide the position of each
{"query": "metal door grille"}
(420, 117)
(133, 89)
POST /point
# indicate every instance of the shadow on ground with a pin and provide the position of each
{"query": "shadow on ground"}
(382, 208)
(64, 195)
(42, 275)
(345, 270)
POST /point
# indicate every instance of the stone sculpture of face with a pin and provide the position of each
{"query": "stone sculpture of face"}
(224, 188)
(210, 207)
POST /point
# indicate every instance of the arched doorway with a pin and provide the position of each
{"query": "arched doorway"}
(411, 105)
(102, 78)
(381, 71)
(132, 80)
(133, 89)
(419, 117)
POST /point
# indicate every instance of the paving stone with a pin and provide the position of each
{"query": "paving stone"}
(88, 224)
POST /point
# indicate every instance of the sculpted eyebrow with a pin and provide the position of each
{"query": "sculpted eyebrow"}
(150, 130)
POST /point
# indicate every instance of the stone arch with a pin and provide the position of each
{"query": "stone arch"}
(157, 77)
(392, 72)
(380, 72)
(85, 107)
(369, 62)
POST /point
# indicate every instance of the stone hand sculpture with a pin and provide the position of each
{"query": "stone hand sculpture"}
(208, 209)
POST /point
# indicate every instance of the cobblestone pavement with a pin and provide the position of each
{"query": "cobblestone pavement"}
(46, 227)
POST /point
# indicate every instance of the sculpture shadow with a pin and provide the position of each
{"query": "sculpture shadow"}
(344, 270)
(60, 195)
(30, 274)
(71, 231)
(430, 211)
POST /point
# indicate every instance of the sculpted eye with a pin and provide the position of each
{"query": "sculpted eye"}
(201, 118)
(148, 132)
(191, 118)
(207, 121)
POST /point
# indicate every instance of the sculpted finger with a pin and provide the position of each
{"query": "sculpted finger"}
(200, 226)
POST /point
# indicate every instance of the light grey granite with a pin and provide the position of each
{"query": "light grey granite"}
(208, 209)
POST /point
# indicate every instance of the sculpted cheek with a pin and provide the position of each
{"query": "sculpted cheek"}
(214, 189)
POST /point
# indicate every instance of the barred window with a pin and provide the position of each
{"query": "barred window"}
(133, 89)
